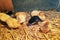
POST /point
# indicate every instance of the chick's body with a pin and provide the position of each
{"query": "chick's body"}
(12, 23)
(34, 20)
(21, 17)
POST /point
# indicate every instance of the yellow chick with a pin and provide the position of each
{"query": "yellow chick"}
(21, 16)
(4, 16)
(13, 23)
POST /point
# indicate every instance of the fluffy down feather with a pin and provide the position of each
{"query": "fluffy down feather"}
(13, 23)
(35, 13)
(4, 16)
(42, 16)
(21, 16)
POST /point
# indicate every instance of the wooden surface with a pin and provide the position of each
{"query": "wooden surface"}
(6, 5)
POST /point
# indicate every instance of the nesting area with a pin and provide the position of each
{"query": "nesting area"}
(32, 33)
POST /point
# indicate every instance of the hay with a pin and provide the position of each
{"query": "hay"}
(32, 33)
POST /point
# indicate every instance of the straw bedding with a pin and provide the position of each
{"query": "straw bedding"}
(32, 33)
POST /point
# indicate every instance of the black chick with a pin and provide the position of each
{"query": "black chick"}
(33, 20)
(9, 13)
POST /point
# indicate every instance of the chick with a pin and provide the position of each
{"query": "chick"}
(11, 13)
(11, 22)
(39, 15)
(34, 17)
(21, 17)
